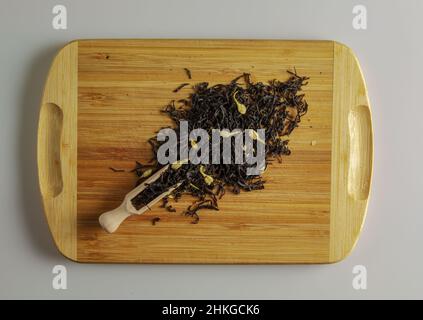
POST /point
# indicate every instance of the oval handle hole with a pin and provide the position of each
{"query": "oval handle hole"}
(49, 141)
(361, 149)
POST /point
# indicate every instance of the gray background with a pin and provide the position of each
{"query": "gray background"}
(390, 52)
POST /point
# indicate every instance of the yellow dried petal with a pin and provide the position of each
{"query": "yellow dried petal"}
(176, 165)
(208, 179)
(194, 144)
(254, 135)
(147, 173)
(194, 186)
(242, 109)
(227, 134)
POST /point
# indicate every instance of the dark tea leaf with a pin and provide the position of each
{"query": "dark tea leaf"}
(276, 107)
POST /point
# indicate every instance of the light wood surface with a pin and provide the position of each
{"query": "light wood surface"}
(314, 203)
(57, 149)
(352, 153)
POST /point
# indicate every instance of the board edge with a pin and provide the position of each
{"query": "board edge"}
(349, 194)
(60, 91)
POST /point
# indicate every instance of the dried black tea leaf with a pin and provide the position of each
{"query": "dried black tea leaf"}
(276, 106)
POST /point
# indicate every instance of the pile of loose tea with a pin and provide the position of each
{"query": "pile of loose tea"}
(276, 106)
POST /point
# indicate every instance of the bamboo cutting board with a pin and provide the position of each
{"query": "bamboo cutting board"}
(101, 103)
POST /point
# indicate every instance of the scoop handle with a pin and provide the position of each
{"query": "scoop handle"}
(111, 220)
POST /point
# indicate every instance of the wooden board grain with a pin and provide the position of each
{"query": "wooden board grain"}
(313, 206)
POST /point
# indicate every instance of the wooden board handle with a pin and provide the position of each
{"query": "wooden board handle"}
(361, 146)
(50, 134)
(57, 149)
(352, 153)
